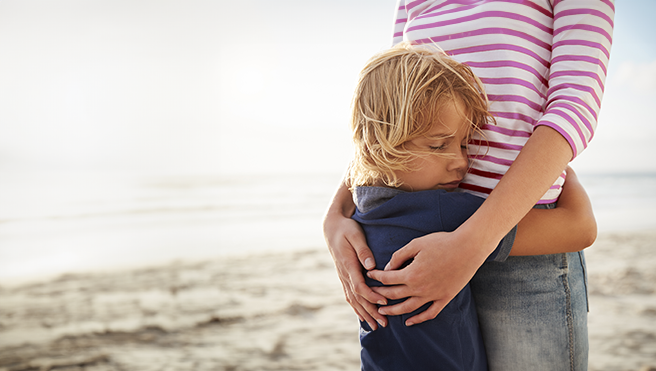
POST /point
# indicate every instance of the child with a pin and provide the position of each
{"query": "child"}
(414, 111)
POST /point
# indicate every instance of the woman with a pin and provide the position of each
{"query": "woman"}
(543, 63)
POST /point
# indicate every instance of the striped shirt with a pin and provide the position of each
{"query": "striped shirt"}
(543, 62)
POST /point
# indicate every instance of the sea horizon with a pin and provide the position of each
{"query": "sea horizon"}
(53, 224)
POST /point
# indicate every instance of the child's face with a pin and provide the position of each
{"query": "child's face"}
(448, 135)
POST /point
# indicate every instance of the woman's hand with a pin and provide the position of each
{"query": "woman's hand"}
(350, 252)
(443, 263)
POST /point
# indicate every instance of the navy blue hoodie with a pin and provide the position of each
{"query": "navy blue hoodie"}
(452, 341)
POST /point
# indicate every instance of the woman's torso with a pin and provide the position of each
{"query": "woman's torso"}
(508, 45)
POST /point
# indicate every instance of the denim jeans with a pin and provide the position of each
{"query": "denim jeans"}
(533, 312)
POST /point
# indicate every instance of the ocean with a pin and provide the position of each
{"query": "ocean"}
(51, 224)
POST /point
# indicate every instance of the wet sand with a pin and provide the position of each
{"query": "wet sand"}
(277, 311)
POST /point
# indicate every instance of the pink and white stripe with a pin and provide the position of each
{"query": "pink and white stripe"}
(543, 62)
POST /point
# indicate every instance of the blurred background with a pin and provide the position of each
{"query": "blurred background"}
(136, 133)
(205, 138)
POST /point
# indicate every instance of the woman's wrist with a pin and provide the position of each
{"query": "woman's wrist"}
(480, 237)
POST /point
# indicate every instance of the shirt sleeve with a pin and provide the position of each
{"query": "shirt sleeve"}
(582, 38)
(400, 19)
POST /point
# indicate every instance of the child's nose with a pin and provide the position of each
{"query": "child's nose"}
(461, 161)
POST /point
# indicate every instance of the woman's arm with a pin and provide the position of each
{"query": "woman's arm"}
(570, 227)
(350, 252)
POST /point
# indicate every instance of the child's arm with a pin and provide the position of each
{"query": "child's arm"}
(570, 227)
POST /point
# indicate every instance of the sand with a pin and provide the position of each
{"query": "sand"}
(276, 311)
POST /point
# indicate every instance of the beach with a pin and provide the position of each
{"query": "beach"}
(281, 310)
(163, 182)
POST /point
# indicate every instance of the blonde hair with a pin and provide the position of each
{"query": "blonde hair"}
(398, 93)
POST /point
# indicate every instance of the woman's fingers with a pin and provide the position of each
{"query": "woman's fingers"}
(429, 314)
(388, 278)
(355, 242)
(392, 292)
(359, 244)
(362, 312)
(352, 275)
(348, 246)
(401, 257)
(360, 296)
(364, 309)
(406, 306)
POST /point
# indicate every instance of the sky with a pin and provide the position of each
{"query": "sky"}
(218, 87)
